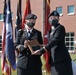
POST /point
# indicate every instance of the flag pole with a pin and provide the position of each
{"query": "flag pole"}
(46, 55)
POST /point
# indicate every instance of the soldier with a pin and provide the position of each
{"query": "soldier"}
(60, 59)
(28, 64)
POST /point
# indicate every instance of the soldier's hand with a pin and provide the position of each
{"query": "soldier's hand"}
(25, 43)
(18, 47)
(37, 52)
(42, 45)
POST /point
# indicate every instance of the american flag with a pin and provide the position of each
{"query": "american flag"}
(8, 54)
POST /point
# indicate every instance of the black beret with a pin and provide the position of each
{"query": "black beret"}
(31, 16)
(54, 13)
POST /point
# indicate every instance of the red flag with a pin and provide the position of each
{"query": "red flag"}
(46, 29)
(27, 11)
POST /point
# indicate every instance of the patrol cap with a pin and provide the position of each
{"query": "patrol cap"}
(54, 13)
(31, 16)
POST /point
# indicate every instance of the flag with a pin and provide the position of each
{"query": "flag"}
(8, 54)
(9, 47)
(18, 18)
(46, 55)
(27, 11)
(5, 67)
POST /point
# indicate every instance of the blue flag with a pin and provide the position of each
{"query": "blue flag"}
(9, 44)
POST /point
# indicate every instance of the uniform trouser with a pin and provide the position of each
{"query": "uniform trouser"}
(62, 68)
(21, 71)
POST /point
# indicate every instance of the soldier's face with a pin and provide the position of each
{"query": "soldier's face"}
(30, 23)
(53, 20)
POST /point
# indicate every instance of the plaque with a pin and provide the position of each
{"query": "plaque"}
(33, 45)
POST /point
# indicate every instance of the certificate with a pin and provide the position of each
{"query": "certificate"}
(33, 45)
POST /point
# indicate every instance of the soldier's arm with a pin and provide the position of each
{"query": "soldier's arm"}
(18, 46)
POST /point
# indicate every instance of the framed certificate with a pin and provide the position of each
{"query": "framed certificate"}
(33, 45)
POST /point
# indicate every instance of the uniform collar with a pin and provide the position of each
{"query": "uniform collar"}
(29, 30)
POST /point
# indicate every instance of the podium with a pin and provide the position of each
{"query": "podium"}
(33, 45)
